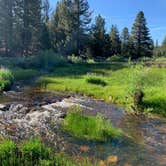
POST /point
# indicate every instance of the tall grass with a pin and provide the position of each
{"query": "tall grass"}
(89, 127)
(6, 79)
(31, 153)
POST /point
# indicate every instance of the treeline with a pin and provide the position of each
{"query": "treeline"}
(23, 26)
(27, 27)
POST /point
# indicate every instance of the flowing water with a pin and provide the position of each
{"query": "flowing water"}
(147, 146)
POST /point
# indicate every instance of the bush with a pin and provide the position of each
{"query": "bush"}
(96, 80)
(6, 79)
(89, 127)
(23, 74)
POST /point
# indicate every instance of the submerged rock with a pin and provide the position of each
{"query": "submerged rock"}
(3, 107)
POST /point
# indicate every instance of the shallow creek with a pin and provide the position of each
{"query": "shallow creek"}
(29, 112)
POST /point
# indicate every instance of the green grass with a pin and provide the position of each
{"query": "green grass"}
(33, 152)
(95, 80)
(89, 127)
(121, 80)
(23, 74)
(6, 79)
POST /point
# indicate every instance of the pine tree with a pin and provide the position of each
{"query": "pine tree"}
(6, 24)
(61, 27)
(81, 20)
(98, 37)
(115, 41)
(142, 41)
(125, 42)
(32, 25)
(69, 26)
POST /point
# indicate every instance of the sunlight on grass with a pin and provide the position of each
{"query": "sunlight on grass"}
(120, 81)
(33, 152)
(89, 127)
(6, 79)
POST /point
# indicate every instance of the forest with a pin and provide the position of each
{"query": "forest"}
(75, 92)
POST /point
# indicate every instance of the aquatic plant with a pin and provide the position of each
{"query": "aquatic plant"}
(89, 127)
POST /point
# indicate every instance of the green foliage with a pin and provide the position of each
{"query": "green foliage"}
(142, 42)
(33, 152)
(7, 148)
(125, 42)
(115, 41)
(68, 26)
(89, 127)
(23, 74)
(96, 81)
(160, 51)
(7, 152)
(122, 80)
(6, 79)
(99, 44)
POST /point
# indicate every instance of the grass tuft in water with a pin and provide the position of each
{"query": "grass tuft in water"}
(89, 127)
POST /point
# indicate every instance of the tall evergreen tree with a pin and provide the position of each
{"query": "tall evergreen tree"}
(125, 41)
(142, 41)
(115, 40)
(6, 24)
(98, 35)
(69, 25)
(61, 27)
(81, 20)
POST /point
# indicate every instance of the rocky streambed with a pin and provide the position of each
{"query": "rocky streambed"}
(27, 112)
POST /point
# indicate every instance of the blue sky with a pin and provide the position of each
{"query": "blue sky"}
(123, 13)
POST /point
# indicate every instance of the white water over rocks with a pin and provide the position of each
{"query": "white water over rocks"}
(20, 121)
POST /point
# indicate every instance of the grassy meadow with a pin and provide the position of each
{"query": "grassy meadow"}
(112, 83)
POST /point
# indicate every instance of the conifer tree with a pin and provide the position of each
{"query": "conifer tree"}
(143, 44)
(81, 20)
(69, 25)
(125, 42)
(6, 24)
(115, 41)
(98, 37)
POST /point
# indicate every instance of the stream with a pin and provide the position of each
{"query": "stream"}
(27, 112)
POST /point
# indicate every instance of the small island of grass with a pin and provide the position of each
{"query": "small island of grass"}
(89, 127)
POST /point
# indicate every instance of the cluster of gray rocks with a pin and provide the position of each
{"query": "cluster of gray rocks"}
(19, 122)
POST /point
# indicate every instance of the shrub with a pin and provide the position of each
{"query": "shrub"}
(6, 79)
(96, 80)
(89, 127)
(23, 74)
